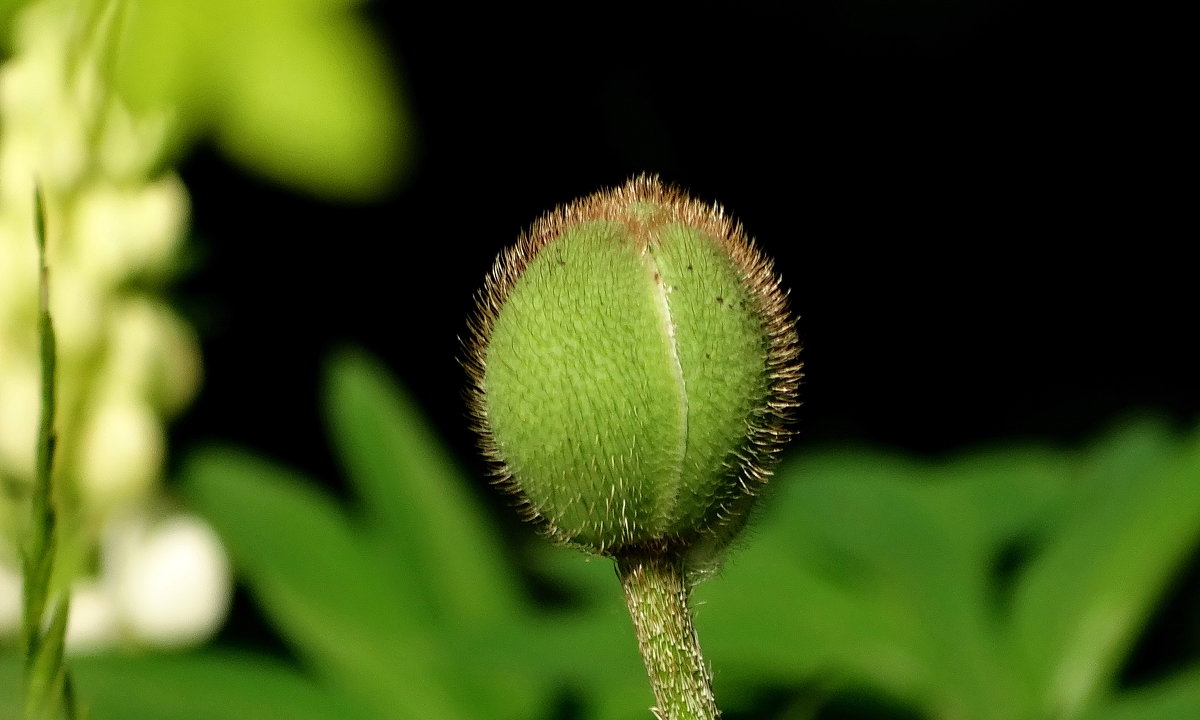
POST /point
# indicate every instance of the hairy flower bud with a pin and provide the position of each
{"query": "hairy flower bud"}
(633, 364)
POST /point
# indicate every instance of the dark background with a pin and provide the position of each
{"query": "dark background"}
(978, 207)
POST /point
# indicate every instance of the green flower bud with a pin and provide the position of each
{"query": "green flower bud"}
(633, 364)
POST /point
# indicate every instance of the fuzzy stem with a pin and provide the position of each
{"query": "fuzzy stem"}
(657, 595)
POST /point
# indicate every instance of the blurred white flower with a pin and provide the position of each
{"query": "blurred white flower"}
(152, 354)
(10, 597)
(93, 621)
(141, 228)
(121, 454)
(165, 583)
(171, 581)
(131, 144)
(127, 361)
(18, 405)
(79, 308)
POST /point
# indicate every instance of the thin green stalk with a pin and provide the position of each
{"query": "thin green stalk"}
(46, 689)
(656, 592)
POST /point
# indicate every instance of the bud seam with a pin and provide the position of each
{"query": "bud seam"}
(663, 305)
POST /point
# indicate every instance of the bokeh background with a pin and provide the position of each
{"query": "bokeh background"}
(977, 205)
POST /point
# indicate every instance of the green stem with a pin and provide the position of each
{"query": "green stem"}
(657, 594)
(46, 682)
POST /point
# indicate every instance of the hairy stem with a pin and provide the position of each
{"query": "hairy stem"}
(657, 594)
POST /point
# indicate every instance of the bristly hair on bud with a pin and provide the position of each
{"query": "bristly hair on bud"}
(633, 369)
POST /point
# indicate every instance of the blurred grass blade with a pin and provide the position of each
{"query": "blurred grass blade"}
(45, 674)
(415, 496)
(1135, 518)
(327, 591)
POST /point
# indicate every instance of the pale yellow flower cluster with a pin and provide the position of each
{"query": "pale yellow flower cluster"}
(127, 361)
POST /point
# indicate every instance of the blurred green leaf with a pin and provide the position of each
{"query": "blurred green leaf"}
(1134, 518)
(589, 646)
(329, 594)
(399, 606)
(873, 576)
(1006, 494)
(416, 498)
(299, 91)
(1177, 698)
(878, 572)
(432, 533)
(198, 686)
(8, 8)
(920, 582)
(10, 684)
(209, 686)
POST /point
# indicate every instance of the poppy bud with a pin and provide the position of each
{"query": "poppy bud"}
(632, 368)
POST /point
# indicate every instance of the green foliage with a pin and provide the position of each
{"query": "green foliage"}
(198, 686)
(1178, 697)
(883, 573)
(299, 91)
(1007, 584)
(8, 8)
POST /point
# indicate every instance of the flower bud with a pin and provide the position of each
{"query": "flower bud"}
(633, 364)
